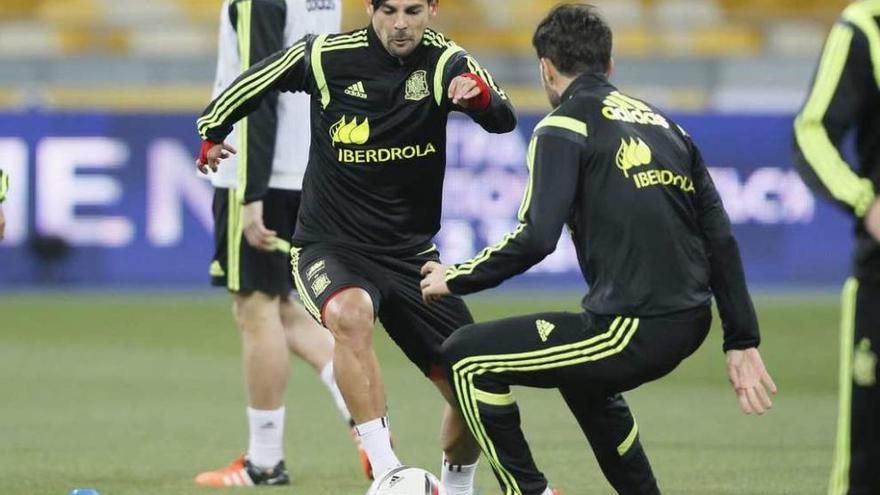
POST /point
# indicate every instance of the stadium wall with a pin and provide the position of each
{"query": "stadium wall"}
(108, 200)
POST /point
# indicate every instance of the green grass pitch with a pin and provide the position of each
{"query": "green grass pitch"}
(133, 394)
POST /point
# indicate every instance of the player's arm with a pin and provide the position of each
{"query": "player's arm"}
(836, 102)
(260, 28)
(745, 368)
(555, 156)
(472, 90)
(727, 277)
(285, 70)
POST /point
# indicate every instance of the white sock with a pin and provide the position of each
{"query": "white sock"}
(376, 440)
(265, 448)
(458, 479)
(330, 383)
(547, 491)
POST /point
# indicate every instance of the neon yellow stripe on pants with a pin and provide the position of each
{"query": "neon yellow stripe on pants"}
(840, 471)
(233, 243)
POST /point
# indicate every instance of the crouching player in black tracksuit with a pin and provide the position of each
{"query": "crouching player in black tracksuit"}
(654, 244)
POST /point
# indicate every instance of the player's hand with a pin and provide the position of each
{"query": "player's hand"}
(750, 380)
(255, 231)
(433, 282)
(872, 220)
(464, 91)
(211, 154)
(2, 225)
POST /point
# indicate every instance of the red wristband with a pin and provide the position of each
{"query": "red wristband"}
(203, 152)
(481, 101)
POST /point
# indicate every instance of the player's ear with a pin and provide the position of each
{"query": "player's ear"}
(610, 70)
(368, 4)
(433, 5)
(548, 70)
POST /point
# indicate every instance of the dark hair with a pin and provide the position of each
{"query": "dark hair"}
(575, 38)
(378, 3)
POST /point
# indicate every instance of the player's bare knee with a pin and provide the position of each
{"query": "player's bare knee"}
(349, 316)
(354, 332)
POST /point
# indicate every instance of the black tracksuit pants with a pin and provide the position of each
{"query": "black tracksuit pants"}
(591, 359)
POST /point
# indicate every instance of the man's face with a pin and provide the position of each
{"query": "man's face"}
(401, 24)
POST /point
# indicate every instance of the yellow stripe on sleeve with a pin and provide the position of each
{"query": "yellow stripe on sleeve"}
(562, 122)
(318, 69)
(812, 137)
(439, 90)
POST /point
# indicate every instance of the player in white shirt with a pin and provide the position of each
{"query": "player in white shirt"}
(257, 195)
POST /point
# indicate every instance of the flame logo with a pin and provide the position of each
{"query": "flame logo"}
(631, 154)
(350, 132)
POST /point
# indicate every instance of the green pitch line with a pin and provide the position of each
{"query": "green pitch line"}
(135, 394)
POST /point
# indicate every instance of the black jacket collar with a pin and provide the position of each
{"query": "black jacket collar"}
(587, 80)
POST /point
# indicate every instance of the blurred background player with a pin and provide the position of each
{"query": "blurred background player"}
(4, 188)
(846, 96)
(256, 202)
(652, 266)
(372, 195)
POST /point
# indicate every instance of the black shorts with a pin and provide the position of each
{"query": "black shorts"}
(241, 268)
(323, 270)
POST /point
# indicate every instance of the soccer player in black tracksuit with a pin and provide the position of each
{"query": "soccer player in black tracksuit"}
(371, 197)
(846, 94)
(654, 245)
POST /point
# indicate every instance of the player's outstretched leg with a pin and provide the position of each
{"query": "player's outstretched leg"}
(576, 352)
(491, 413)
(314, 345)
(349, 316)
(613, 434)
(266, 367)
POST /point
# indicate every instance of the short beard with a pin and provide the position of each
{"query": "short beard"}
(392, 50)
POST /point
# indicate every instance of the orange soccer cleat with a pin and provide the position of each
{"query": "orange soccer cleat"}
(365, 460)
(240, 472)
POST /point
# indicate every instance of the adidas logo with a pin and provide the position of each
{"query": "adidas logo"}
(357, 90)
(544, 329)
(267, 426)
(621, 107)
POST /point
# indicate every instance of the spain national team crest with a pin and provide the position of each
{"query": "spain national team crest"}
(417, 86)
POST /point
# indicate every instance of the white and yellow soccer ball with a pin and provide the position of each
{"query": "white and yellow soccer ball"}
(407, 480)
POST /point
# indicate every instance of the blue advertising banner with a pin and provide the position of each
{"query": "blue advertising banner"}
(113, 200)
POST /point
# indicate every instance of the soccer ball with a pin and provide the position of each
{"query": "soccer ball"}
(407, 481)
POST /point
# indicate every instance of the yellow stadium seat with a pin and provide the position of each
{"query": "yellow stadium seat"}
(201, 11)
(18, 9)
(70, 12)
